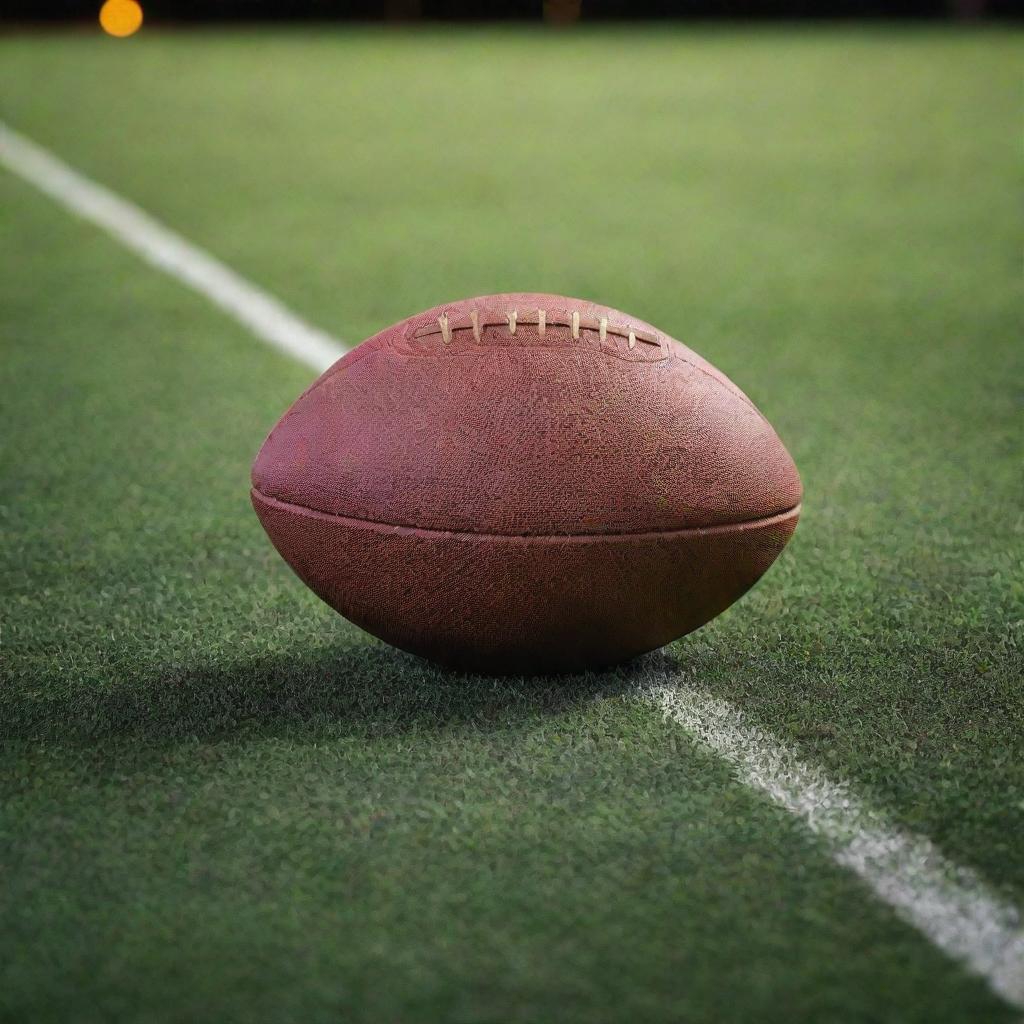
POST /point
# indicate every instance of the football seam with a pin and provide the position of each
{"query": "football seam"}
(741, 524)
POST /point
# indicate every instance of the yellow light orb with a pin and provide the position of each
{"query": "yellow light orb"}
(121, 17)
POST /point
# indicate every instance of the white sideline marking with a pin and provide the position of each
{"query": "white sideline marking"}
(156, 244)
(950, 905)
(947, 903)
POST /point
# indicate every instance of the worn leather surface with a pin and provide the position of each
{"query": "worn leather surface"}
(530, 500)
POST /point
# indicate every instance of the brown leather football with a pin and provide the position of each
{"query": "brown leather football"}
(526, 483)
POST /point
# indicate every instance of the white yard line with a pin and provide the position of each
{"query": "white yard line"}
(946, 903)
(164, 248)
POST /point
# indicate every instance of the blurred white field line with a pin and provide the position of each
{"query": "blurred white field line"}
(948, 904)
(156, 244)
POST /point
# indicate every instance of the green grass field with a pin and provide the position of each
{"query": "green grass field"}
(220, 802)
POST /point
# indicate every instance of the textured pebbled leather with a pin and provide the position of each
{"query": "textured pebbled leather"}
(526, 483)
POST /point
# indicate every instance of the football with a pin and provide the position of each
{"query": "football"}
(526, 483)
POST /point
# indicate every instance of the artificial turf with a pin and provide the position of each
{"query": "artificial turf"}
(221, 802)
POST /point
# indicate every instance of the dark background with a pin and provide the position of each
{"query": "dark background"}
(552, 10)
